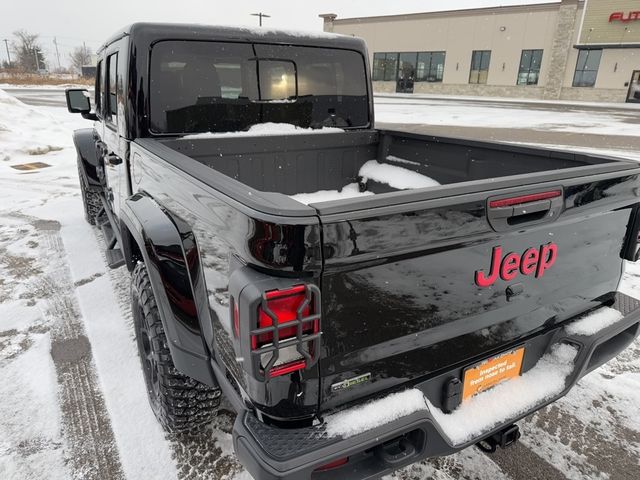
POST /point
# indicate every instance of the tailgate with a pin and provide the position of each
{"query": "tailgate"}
(410, 290)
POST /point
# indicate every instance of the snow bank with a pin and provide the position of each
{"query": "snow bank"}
(508, 399)
(473, 417)
(593, 322)
(396, 177)
(265, 129)
(28, 131)
(374, 414)
(350, 191)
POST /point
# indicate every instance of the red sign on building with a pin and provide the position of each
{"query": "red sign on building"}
(622, 17)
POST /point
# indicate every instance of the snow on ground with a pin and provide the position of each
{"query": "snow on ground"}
(469, 98)
(51, 194)
(444, 112)
(593, 432)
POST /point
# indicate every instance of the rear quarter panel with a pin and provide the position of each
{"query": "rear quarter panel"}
(228, 236)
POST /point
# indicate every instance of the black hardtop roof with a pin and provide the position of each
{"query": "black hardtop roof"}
(146, 34)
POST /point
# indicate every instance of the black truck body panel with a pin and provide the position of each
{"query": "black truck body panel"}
(397, 281)
(270, 453)
(402, 288)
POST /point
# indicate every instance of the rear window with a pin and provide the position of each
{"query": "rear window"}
(218, 87)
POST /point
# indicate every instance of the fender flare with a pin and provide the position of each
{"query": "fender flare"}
(169, 251)
(85, 142)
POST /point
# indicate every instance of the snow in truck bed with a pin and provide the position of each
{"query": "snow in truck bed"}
(396, 177)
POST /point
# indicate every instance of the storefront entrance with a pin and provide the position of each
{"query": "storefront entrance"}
(406, 73)
(634, 88)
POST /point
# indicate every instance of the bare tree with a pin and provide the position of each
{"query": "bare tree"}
(80, 56)
(28, 51)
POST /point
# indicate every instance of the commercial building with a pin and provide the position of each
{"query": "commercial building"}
(569, 50)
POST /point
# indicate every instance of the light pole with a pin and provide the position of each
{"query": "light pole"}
(261, 15)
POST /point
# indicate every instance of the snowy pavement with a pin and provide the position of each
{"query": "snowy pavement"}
(579, 126)
(72, 393)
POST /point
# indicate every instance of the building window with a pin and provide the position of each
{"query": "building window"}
(385, 66)
(430, 66)
(587, 68)
(530, 62)
(480, 60)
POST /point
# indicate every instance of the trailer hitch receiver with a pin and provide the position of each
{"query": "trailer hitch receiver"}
(503, 439)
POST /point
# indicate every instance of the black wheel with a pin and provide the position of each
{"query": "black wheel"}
(180, 403)
(91, 200)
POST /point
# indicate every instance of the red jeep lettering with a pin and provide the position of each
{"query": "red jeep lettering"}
(532, 261)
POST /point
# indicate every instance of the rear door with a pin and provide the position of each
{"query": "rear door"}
(416, 289)
(114, 145)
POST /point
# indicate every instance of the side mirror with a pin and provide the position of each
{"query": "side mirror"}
(78, 100)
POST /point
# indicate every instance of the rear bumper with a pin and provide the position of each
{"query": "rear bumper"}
(273, 453)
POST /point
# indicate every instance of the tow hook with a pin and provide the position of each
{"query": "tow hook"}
(503, 439)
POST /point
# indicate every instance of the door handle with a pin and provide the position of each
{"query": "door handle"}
(113, 160)
(505, 213)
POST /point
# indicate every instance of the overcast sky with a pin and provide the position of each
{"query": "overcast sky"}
(75, 21)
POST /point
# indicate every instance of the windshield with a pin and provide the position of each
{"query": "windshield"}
(221, 87)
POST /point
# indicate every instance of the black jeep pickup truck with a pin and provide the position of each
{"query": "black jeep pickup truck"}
(352, 329)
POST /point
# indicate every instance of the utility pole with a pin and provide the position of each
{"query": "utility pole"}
(84, 54)
(260, 15)
(55, 42)
(6, 44)
(35, 52)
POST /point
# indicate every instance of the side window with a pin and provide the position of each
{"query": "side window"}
(112, 97)
(98, 98)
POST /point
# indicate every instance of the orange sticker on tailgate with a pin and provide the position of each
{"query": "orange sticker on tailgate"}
(491, 372)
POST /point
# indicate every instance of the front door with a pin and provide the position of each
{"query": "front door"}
(406, 72)
(634, 88)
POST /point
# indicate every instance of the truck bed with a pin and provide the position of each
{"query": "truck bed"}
(306, 163)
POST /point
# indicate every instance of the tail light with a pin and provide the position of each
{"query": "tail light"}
(520, 199)
(288, 326)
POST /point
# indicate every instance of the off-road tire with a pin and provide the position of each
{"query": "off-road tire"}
(90, 200)
(180, 403)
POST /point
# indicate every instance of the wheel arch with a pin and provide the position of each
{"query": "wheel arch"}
(150, 235)
(84, 140)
